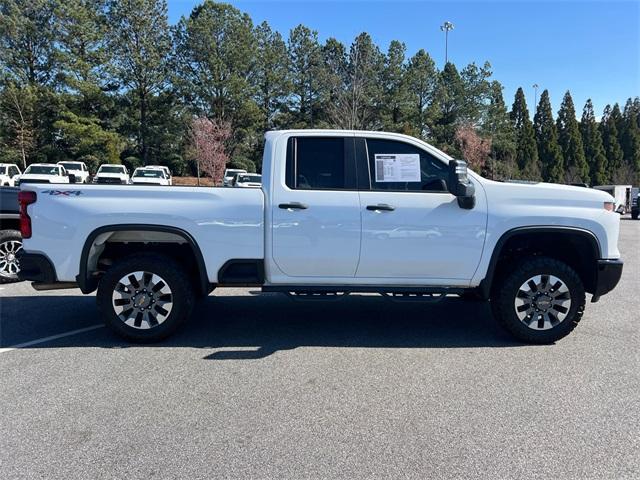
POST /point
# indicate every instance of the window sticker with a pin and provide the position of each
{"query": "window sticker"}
(397, 167)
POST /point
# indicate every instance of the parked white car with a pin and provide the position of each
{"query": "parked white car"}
(112, 173)
(166, 171)
(229, 174)
(44, 173)
(149, 176)
(78, 169)
(326, 222)
(9, 174)
(247, 180)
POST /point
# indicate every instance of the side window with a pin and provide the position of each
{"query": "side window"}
(318, 163)
(399, 166)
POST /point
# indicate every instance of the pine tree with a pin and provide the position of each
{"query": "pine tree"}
(421, 79)
(570, 140)
(395, 95)
(140, 44)
(549, 152)
(358, 103)
(270, 73)
(448, 108)
(593, 148)
(526, 150)
(305, 57)
(498, 128)
(631, 137)
(612, 149)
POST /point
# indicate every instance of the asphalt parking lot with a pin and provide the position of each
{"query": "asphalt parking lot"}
(262, 386)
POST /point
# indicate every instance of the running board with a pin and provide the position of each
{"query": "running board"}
(333, 291)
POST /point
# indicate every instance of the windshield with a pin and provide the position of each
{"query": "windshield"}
(42, 170)
(3, 170)
(249, 178)
(149, 173)
(111, 169)
(71, 165)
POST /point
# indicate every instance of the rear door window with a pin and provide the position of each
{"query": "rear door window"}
(320, 163)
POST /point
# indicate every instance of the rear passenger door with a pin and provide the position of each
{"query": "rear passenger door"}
(316, 209)
(413, 230)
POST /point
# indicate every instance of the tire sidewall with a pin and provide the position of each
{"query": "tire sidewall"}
(170, 272)
(511, 285)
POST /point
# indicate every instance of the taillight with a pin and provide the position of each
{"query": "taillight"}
(25, 199)
(609, 206)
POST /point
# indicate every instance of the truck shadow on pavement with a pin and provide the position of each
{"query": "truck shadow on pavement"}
(254, 327)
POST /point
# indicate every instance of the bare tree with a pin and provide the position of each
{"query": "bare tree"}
(18, 104)
(208, 138)
(475, 149)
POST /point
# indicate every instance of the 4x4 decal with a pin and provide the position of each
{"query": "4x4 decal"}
(65, 193)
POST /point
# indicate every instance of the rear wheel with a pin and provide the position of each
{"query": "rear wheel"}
(10, 245)
(145, 298)
(540, 301)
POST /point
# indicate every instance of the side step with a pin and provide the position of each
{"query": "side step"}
(334, 292)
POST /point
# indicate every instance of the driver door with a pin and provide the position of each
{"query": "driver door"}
(415, 231)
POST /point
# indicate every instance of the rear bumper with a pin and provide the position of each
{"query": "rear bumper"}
(607, 277)
(36, 267)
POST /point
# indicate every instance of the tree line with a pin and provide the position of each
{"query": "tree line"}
(112, 81)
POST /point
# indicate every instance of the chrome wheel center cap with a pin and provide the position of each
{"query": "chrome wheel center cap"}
(543, 302)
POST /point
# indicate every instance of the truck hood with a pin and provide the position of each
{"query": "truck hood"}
(542, 194)
(34, 176)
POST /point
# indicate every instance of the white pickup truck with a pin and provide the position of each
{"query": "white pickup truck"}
(339, 212)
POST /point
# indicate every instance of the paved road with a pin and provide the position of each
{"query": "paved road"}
(260, 386)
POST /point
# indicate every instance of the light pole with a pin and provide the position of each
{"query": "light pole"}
(446, 27)
(535, 98)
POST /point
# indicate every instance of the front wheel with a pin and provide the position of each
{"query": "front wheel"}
(540, 301)
(145, 298)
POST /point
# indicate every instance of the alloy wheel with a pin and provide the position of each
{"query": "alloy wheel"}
(542, 302)
(9, 264)
(142, 300)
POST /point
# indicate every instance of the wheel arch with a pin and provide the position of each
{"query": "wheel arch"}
(89, 283)
(582, 255)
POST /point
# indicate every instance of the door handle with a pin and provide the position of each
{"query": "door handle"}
(293, 206)
(381, 207)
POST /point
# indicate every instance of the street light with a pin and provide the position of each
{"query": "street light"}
(446, 27)
(535, 98)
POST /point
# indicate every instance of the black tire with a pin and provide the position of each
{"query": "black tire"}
(173, 277)
(503, 300)
(10, 241)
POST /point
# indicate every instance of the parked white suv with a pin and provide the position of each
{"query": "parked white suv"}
(166, 171)
(247, 180)
(44, 173)
(112, 173)
(9, 174)
(339, 212)
(149, 176)
(78, 169)
(229, 174)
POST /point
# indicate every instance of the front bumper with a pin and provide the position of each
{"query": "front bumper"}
(608, 275)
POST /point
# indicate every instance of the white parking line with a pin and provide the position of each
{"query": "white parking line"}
(48, 339)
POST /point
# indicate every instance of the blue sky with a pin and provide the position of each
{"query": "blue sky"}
(589, 47)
